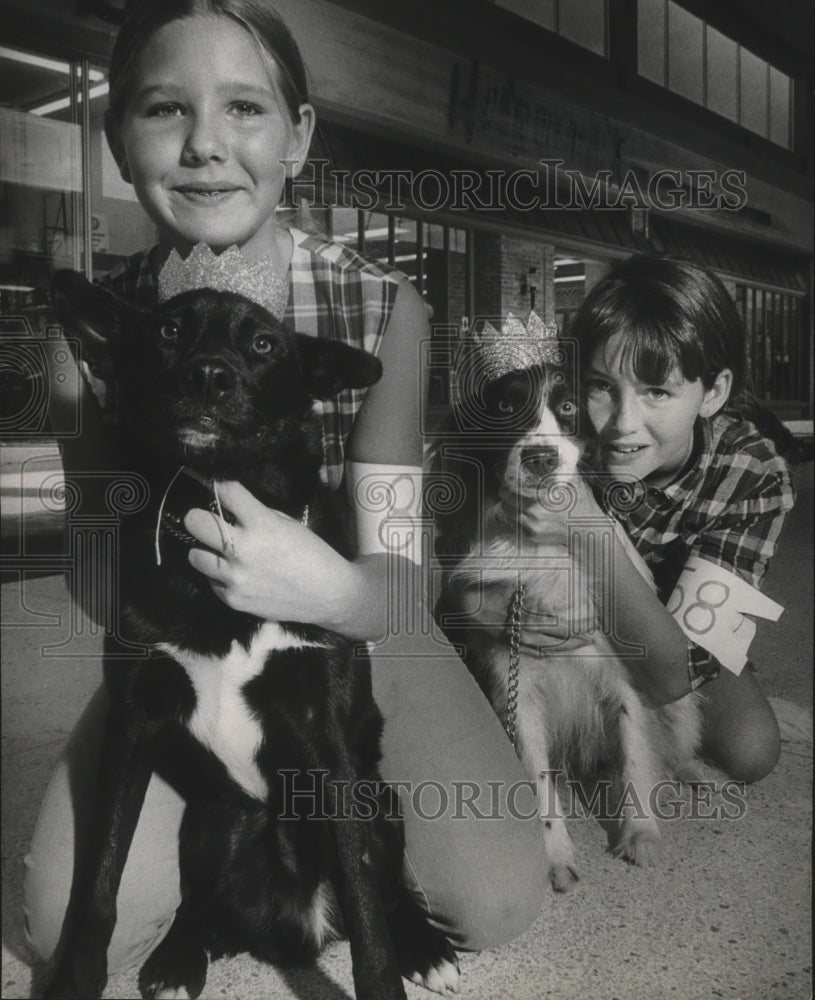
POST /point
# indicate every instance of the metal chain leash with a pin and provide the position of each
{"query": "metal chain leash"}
(514, 665)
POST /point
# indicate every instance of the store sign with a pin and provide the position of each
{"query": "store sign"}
(491, 109)
(367, 71)
(100, 236)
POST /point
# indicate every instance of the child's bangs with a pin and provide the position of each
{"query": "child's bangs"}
(655, 351)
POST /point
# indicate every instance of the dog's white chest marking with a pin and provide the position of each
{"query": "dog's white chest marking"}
(222, 720)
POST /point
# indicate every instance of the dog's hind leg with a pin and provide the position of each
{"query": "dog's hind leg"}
(640, 841)
(534, 754)
(680, 725)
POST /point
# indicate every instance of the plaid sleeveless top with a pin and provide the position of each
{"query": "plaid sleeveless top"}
(333, 293)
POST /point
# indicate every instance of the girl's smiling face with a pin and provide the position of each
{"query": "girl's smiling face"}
(204, 136)
(646, 431)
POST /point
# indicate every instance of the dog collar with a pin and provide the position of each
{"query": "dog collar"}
(170, 523)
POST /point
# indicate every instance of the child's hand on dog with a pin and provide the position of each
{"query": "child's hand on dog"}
(267, 564)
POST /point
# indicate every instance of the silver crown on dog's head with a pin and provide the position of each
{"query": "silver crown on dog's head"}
(516, 347)
(229, 271)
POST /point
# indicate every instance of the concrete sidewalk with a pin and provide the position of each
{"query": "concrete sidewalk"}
(726, 914)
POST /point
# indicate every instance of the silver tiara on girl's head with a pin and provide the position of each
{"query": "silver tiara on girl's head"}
(229, 271)
(517, 346)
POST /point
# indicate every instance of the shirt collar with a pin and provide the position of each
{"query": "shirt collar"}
(697, 465)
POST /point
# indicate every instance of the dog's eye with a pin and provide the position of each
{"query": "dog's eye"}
(169, 330)
(262, 344)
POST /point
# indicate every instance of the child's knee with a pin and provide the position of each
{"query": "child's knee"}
(502, 898)
(741, 734)
(756, 756)
(42, 914)
(49, 866)
(500, 911)
(751, 751)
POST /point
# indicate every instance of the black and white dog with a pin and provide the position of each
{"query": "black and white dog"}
(240, 715)
(571, 704)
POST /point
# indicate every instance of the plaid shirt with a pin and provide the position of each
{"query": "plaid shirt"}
(727, 507)
(333, 293)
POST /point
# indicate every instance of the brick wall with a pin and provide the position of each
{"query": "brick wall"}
(507, 269)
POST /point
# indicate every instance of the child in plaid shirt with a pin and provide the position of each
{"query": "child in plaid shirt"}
(662, 357)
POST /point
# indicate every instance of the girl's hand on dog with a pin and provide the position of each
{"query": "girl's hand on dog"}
(268, 564)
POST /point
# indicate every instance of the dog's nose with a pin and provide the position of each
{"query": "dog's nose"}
(540, 460)
(209, 379)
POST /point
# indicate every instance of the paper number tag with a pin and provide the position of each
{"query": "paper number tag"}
(710, 603)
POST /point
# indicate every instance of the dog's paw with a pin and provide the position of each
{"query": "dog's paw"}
(176, 970)
(68, 989)
(559, 854)
(430, 961)
(694, 770)
(82, 980)
(643, 848)
(563, 877)
(424, 954)
(440, 977)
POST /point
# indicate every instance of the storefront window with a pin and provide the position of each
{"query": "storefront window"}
(777, 347)
(374, 229)
(570, 284)
(40, 176)
(408, 251)
(63, 205)
(458, 282)
(63, 197)
(345, 227)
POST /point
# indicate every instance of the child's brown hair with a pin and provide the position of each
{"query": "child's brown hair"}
(673, 313)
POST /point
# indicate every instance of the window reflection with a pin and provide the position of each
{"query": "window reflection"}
(581, 21)
(685, 51)
(49, 196)
(753, 92)
(681, 51)
(722, 67)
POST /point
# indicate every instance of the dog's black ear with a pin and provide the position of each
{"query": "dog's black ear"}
(99, 319)
(330, 366)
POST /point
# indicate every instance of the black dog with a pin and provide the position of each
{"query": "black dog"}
(212, 382)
